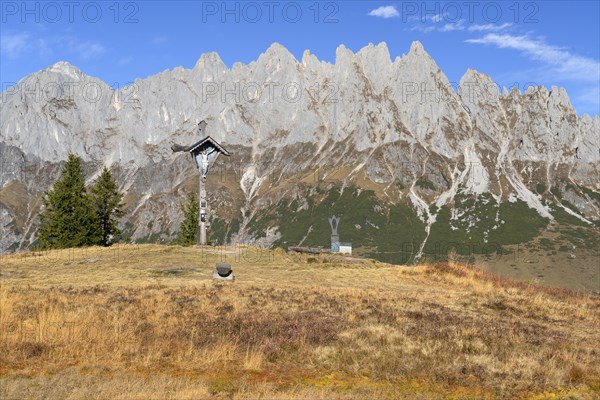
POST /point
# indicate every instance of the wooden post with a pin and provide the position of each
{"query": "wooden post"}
(202, 211)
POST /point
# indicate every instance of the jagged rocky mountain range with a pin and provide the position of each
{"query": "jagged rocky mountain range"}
(397, 128)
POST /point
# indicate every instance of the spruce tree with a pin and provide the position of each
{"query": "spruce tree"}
(108, 207)
(68, 218)
(187, 230)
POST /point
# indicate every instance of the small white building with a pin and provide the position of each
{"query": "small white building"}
(345, 248)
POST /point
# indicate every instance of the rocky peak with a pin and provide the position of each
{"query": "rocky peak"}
(376, 54)
(477, 88)
(419, 67)
(417, 53)
(309, 59)
(276, 53)
(277, 48)
(559, 99)
(211, 62)
(343, 55)
(416, 47)
(65, 68)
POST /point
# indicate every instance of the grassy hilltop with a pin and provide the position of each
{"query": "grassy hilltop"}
(148, 322)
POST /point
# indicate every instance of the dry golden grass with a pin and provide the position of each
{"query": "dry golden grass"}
(148, 322)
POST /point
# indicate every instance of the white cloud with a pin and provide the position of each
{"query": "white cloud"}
(563, 62)
(425, 18)
(85, 50)
(458, 26)
(424, 29)
(25, 44)
(489, 27)
(157, 40)
(385, 12)
(589, 100)
(13, 45)
(125, 60)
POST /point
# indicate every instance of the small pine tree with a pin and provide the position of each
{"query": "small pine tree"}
(107, 204)
(187, 230)
(68, 218)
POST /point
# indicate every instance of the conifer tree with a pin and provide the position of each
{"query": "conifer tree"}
(68, 218)
(187, 230)
(108, 207)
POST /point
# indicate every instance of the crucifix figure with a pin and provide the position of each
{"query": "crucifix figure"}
(203, 160)
(204, 163)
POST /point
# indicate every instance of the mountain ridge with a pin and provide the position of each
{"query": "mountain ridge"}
(214, 57)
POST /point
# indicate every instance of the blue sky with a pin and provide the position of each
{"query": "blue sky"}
(516, 43)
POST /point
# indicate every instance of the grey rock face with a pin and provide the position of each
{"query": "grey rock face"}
(286, 120)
